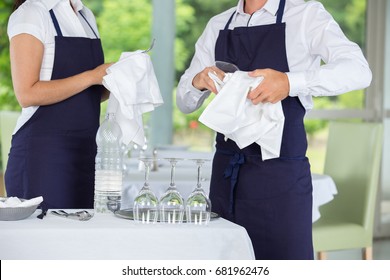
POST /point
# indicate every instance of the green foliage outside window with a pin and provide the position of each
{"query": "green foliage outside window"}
(7, 98)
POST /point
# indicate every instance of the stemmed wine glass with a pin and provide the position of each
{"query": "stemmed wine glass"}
(198, 205)
(226, 67)
(171, 203)
(145, 209)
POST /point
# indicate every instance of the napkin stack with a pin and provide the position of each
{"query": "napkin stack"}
(134, 91)
(16, 202)
(234, 115)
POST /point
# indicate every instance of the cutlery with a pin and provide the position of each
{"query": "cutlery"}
(151, 46)
(79, 215)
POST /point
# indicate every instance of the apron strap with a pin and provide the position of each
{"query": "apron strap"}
(229, 21)
(280, 11)
(57, 26)
(231, 172)
(55, 22)
(88, 24)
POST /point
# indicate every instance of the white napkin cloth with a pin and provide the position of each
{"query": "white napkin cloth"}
(16, 202)
(134, 91)
(234, 115)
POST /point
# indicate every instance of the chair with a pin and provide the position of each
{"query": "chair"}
(7, 125)
(353, 160)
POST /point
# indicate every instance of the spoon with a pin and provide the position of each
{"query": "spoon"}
(83, 215)
(79, 215)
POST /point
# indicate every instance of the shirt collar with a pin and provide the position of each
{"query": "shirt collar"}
(270, 6)
(77, 4)
(50, 4)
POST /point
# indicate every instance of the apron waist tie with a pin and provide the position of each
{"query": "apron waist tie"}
(231, 172)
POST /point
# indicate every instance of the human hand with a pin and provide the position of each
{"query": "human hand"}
(274, 87)
(99, 72)
(202, 80)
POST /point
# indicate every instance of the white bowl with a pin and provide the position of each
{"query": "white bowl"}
(17, 213)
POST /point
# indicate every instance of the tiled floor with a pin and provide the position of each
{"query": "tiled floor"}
(381, 251)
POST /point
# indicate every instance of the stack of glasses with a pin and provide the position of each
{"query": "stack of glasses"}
(171, 208)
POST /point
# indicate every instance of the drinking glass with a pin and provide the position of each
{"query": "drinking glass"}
(145, 209)
(226, 67)
(171, 203)
(198, 205)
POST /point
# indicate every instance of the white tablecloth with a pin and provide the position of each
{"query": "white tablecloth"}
(107, 237)
(324, 190)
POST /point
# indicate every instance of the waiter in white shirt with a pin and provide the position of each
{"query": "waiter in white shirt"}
(284, 41)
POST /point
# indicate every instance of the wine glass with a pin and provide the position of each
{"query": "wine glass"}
(198, 205)
(226, 67)
(145, 209)
(171, 202)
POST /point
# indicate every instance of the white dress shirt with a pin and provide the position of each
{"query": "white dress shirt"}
(312, 35)
(33, 18)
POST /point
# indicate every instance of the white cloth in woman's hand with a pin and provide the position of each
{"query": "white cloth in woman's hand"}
(133, 85)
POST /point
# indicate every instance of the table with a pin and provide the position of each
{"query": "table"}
(324, 190)
(108, 237)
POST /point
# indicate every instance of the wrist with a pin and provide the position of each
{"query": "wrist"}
(90, 78)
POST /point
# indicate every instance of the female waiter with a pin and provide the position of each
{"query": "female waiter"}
(57, 69)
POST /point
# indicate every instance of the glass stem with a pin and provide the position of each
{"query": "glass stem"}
(199, 184)
(173, 165)
(147, 169)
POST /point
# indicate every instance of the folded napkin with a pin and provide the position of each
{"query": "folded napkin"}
(134, 91)
(16, 202)
(234, 115)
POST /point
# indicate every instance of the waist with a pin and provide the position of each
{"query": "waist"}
(290, 150)
(229, 147)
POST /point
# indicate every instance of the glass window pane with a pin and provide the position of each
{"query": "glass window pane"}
(351, 16)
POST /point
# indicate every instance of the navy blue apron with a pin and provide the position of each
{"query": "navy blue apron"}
(53, 153)
(272, 199)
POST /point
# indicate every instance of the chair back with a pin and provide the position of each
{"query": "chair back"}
(353, 160)
(8, 121)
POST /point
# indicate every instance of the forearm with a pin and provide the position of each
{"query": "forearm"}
(50, 92)
(188, 98)
(26, 53)
(349, 73)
